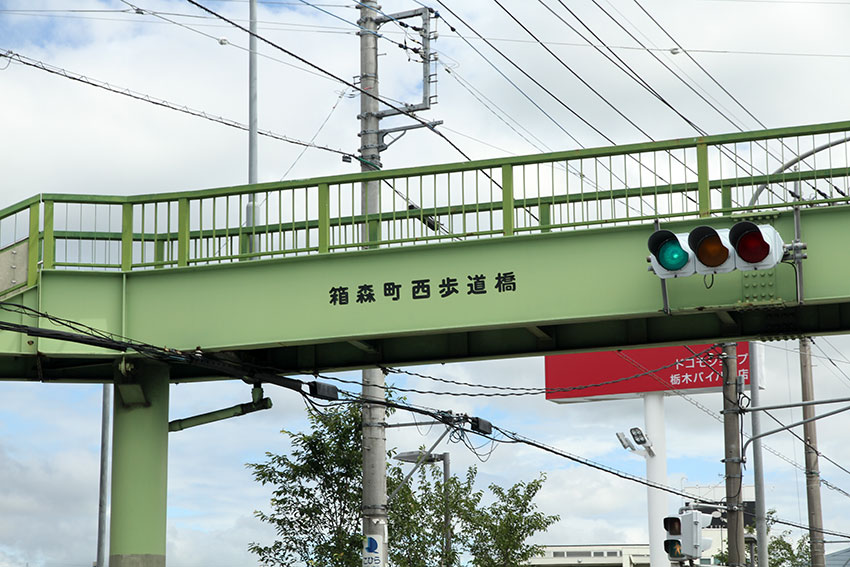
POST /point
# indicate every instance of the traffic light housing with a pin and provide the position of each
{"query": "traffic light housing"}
(673, 544)
(706, 250)
(684, 535)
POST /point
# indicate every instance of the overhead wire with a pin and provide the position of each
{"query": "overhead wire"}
(765, 145)
(450, 419)
(525, 73)
(22, 59)
(533, 102)
(349, 84)
(719, 418)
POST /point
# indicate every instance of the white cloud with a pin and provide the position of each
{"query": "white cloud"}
(62, 136)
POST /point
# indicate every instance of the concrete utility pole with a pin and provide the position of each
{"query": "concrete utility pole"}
(374, 415)
(812, 468)
(103, 508)
(733, 461)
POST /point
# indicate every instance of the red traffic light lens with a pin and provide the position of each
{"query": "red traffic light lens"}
(708, 247)
(749, 243)
(673, 525)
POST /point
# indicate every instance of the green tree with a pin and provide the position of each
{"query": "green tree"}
(498, 532)
(316, 502)
(317, 497)
(417, 524)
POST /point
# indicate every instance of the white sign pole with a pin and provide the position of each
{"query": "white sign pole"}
(656, 471)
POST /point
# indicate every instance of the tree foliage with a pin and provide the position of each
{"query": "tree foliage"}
(781, 551)
(316, 500)
(499, 531)
(315, 506)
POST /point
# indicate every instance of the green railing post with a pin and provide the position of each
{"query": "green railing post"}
(183, 232)
(703, 194)
(159, 253)
(324, 218)
(545, 217)
(126, 237)
(508, 200)
(48, 255)
(33, 245)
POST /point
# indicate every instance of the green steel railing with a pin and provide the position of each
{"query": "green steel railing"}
(740, 173)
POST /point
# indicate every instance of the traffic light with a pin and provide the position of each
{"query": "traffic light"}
(705, 250)
(684, 535)
(673, 543)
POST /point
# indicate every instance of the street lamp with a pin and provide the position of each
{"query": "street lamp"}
(640, 438)
(422, 457)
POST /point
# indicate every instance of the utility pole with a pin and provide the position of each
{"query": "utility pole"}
(374, 415)
(251, 207)
(733, 460)
(756, 369)
(372, 143)
(103, 508)
(812, 467)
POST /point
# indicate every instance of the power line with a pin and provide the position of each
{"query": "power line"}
(18, 58)
(504, 76)
(701, 68)
(349, 84)
(719, 418)
(571, 70)
(528, 76)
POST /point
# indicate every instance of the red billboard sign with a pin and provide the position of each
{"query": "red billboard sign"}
(627, 373)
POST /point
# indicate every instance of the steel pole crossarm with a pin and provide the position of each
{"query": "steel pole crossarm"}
(787, 427)
(383, 19)
(403, 129)
(218, 415)
(412, 423)
(797, 404)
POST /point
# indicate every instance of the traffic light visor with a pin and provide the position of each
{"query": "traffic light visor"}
(749, 242)
(664, 245)
(706, 244)
(673, 525)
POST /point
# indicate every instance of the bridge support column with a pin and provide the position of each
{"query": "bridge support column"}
(139, 467)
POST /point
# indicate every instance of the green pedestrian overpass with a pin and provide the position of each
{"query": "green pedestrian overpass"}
(507, 257)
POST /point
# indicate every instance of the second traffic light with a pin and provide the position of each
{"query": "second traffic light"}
(684, 535)
(705, 250)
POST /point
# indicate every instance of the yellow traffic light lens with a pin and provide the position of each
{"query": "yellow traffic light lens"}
(711, 251)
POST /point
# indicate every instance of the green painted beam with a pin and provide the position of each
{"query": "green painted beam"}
(587, 289)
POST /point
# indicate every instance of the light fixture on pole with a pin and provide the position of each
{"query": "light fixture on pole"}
(640, 438)
(422, 457)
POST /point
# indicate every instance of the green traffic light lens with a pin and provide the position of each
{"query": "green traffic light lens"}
(672, 256)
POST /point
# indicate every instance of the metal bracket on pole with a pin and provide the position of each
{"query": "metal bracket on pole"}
(418, 464)
(424, 52)
(257, 403)
(403, 130)
(785, 428)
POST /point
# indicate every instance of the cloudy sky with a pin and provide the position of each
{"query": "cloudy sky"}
(784, 62)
